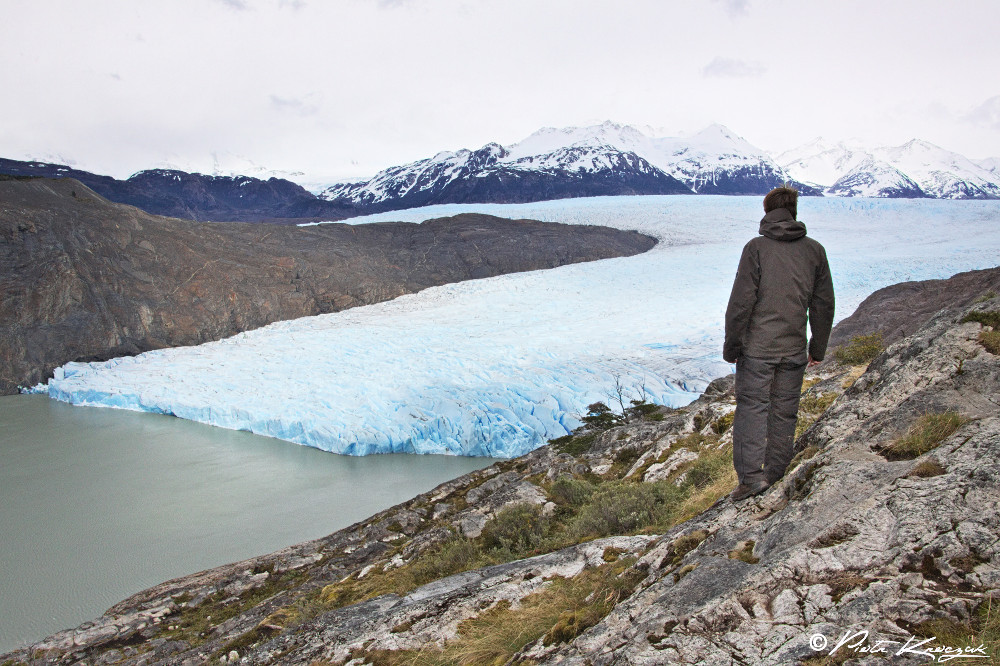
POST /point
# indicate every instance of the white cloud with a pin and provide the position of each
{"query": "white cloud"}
(735, 7)
(239, 5)
(304, 106)
(313, 86)
(731, 68)
(986, 114)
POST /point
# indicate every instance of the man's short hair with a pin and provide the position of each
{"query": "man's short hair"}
(782, 197)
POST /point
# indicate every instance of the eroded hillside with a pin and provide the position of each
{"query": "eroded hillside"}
(84, 279)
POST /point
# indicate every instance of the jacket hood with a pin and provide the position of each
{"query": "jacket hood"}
(780, 225)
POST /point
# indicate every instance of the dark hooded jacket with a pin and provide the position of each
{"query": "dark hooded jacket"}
(782, 282)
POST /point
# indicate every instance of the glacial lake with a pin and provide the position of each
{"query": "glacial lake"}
(97, 504)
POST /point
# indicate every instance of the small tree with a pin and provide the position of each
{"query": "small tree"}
(600, 417)
(619, 396)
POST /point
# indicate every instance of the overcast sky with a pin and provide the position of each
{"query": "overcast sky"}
(337, 88)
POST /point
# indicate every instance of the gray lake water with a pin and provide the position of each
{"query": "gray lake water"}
(97, 504)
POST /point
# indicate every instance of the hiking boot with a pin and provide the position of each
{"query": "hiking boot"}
(744, 490)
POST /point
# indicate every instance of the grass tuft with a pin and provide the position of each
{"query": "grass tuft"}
(990, 340)
(811, 407)
(684, 571)
(802, 456)
(925, 435)
(927, 469)
(861, 350)
(744, 553)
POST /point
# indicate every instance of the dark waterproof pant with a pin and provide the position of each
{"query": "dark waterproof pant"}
(767, 403)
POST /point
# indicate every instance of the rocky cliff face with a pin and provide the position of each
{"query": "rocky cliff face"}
(84, 279)
(886, 528)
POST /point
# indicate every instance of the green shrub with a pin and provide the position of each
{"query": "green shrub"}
(723, 423)
(984, 317)
(574, 445)
(861, 350)
(624, 508)
(643, 409)
(571, 492)
(926, 434)
(454, 555)
(518, 529)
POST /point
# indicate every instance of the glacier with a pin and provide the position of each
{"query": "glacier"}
(496, 367)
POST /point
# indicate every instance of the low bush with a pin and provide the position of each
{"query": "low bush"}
(723, 423)
(574, 445)
(600, 417)
(571, 492)
(623, 508)
(517, 529)
(985, 317)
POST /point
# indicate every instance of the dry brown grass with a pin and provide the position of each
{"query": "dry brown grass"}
(560, 612)
(924, 435)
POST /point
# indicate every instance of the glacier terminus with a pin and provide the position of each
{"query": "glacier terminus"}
(496, 367)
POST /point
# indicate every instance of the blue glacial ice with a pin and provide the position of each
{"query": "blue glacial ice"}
(496, 367)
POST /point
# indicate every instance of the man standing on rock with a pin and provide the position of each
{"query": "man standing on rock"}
(782, 282)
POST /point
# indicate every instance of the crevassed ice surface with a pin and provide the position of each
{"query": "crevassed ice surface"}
(498, 366)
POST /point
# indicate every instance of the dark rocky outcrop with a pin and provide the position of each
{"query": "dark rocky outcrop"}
(852, 539)
(900, 309)
(84, 279)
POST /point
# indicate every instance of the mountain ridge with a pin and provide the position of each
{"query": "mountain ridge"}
(553, 163)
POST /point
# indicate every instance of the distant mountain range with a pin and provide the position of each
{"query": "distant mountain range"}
(915, 169)
(194, 196)
(606, 159)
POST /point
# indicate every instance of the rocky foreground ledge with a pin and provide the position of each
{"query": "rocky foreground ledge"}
(84, 279)
(617, 545)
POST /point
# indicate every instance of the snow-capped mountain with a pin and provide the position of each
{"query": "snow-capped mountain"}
(991, 164)
(915, 169)
(822, 163)
(941, 173)
(874, 178)
(229, 165)
(606, 159)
